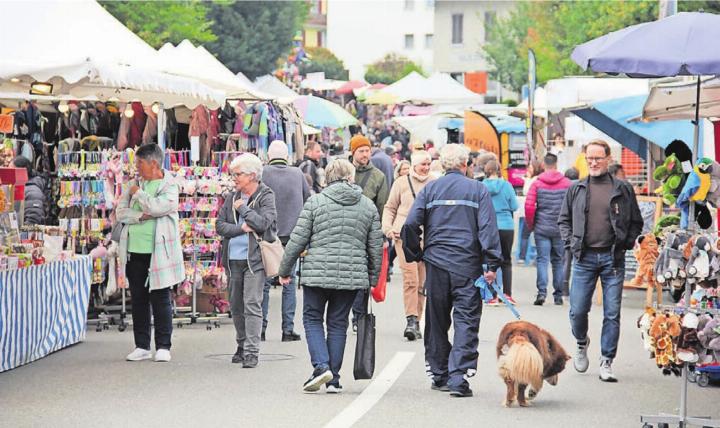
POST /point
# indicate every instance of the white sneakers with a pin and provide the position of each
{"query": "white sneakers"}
(162, 356)
(139, 354)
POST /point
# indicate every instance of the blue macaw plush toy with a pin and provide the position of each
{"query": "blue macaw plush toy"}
(696, 188)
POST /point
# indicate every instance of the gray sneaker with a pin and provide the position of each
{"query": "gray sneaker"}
(580, 360)
(606, 373)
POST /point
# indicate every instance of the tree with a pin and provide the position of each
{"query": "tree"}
(158, 22)
(322, 59)
(553, 29)
(252, 35)
(390, 69)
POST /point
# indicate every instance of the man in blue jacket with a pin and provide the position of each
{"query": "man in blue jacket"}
(460, 235)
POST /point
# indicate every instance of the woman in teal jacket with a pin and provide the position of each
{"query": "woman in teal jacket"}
(505, 204)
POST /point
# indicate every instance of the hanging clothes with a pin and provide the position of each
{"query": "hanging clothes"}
(104, 121)
(150, 132)
(227, 118)
(171, 128)
(123, 130)
(214, 130)
(199, 124)
(137, 125)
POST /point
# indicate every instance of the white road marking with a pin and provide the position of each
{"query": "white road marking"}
(373, 393)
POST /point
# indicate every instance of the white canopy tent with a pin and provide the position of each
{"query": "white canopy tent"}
(83, 51)
(188, 60)
(441, 88)
(270, 84)
(677, 100)
(400, 91)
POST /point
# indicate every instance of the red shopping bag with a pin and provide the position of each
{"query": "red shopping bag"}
(380, 289)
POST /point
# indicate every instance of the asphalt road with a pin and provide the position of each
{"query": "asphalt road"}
(90, 384)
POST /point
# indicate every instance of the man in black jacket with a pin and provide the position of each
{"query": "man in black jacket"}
(35, 198)
(599, 221)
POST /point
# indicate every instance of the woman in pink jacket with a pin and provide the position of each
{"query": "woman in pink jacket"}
(402, 196)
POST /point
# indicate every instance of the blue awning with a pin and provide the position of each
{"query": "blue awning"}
(619, 119)
(508, 125)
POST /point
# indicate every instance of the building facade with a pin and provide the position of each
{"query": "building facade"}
(315, 28)
(461, 29)
(361, 32)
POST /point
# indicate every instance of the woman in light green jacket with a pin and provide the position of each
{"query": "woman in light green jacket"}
(150, 251)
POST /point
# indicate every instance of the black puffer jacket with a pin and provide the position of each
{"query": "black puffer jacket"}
(35, 200)
(627, 222)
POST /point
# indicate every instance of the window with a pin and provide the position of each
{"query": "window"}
(409, 41)
(428, 41)
(489, 23)
(457, 29)
(409, 4)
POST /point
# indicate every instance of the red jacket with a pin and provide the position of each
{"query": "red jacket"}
(543, 202)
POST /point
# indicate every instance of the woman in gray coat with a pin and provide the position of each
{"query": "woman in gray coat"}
(340, 228)
(248, 212)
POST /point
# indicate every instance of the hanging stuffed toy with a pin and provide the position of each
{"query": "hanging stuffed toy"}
(664, 331)
(644, 323)
(708, 332)
(698, 266)
(695, 189)
(670, 264)
(665, 224)
(670, 174)
(688, 343)
(646, 253)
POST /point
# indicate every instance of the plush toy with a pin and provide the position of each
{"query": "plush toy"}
(665, 330)
(646, 253)
(695, 189)
(666, 224)
(698, 266)
(644, 323)
(713, 195)
(670, 173)
(688, 344)
(670, 264)
(708, 330)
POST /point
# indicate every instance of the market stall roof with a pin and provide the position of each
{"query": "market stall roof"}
(322, 113)
(540, 104)
(270, 84)
(618, 118)
(404, 89)
(440, 88)
(84, 51)
(189, 60)
(678, 100)
(423, 128)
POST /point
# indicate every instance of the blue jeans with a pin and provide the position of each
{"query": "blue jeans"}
(525, 249)
(289, 303)
(328, 352)
(549, 250)
(585, 275)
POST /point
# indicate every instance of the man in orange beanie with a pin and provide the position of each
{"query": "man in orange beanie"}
(373, 184)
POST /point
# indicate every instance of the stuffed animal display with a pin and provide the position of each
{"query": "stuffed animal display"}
(671, 175)
(646, 253)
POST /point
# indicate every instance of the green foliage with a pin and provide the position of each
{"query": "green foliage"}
(322, 59)
(252, 35)
(158, 22)
(390, 69)
(553, 29)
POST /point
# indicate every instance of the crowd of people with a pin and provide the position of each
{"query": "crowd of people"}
(444, 230)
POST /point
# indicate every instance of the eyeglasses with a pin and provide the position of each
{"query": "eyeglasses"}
(595, 159)
(236, 174)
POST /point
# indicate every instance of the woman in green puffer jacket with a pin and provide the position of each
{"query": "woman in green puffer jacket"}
(340, 228)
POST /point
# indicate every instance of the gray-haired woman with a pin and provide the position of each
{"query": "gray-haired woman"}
(150, 252)
(248, 211)
(340, 228)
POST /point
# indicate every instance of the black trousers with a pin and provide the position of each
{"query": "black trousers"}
(450, 296)
(506, 242)
(137, 270)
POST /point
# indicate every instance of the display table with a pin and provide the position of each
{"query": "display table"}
(42, 309)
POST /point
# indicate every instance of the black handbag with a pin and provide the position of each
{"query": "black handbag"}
(365, 350)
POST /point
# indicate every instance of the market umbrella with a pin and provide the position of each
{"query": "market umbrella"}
(673, 46)
(677, 100)
(322, 113)
(348, 87)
